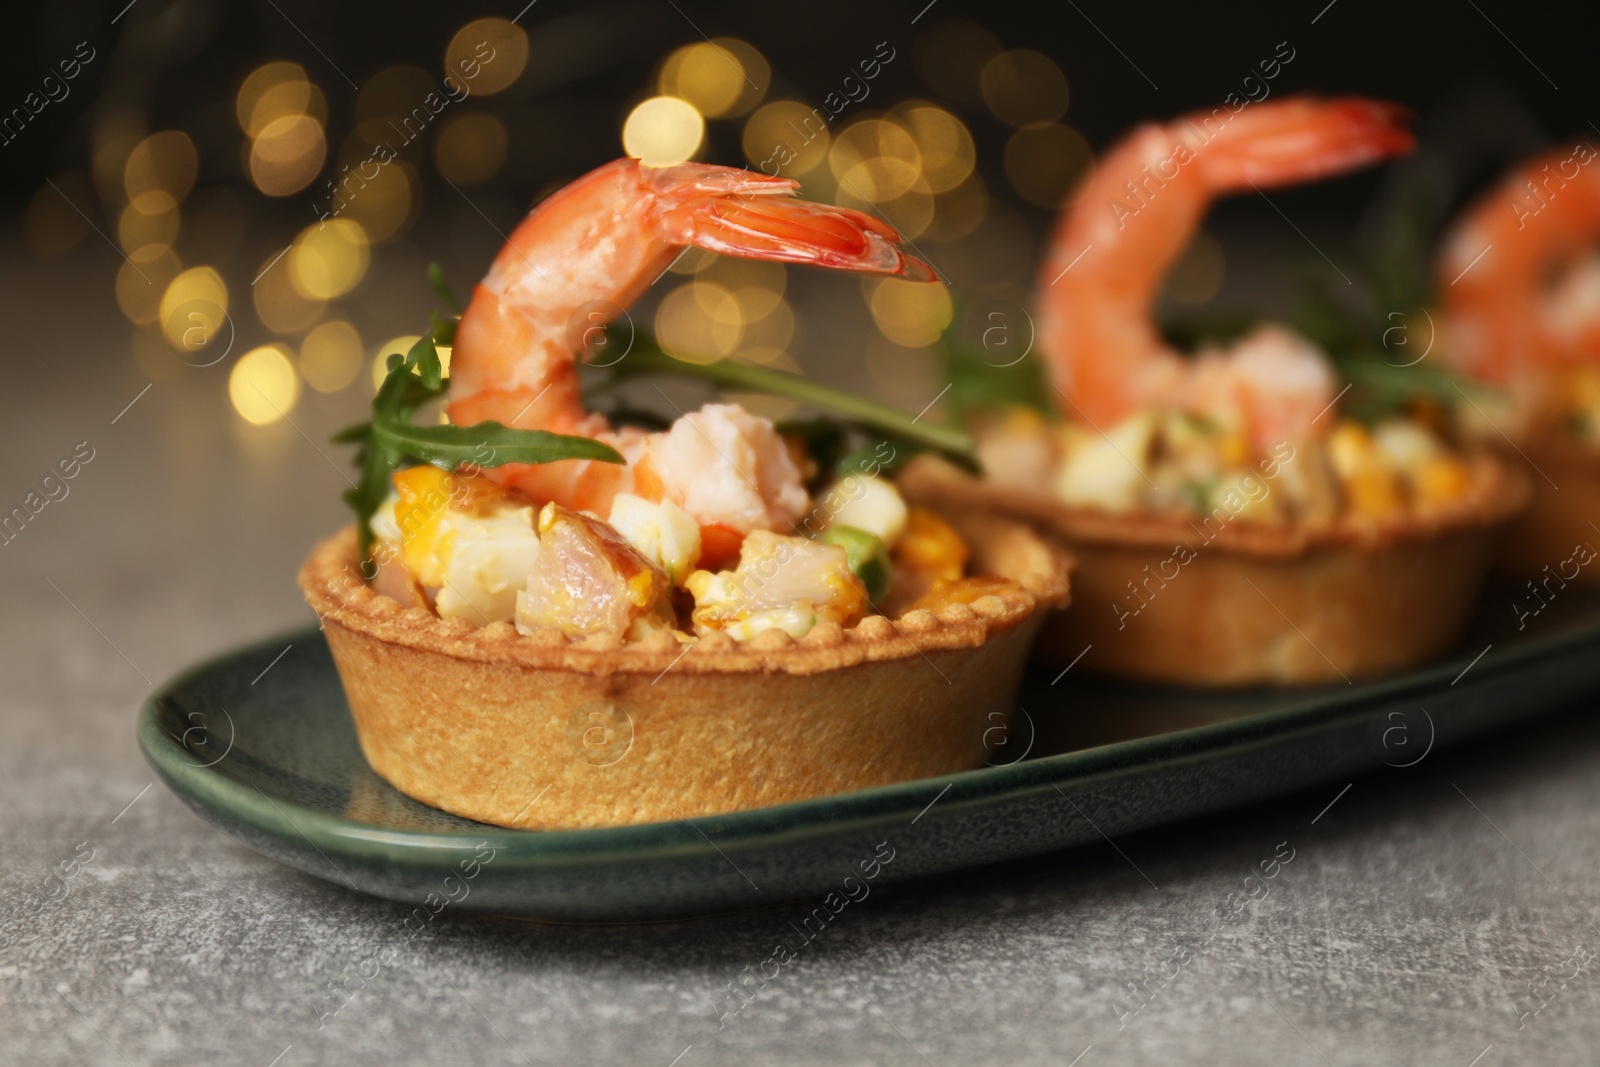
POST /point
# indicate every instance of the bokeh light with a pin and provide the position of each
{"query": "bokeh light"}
(328, 259)
(1024, 86)
(486, 56)
(959, 211)
(663, 130)
(287, 155)
(943, 142)
(279, 305)
(135, 228)
(141, 280)
(160, 171)
(1045, 160)
(263, 385)
(470, 148)
(331, 356)
(699, 322)
(198, 290)
(267, 79)
(385, 205)
(721, 77)
(910, 314)
(786, 137)
(875, 160)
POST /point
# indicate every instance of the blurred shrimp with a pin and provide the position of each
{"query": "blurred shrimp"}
(1122, 231)
(583, 255)
(1518, 274)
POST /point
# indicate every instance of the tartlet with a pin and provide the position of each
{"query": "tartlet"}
(1256, 603)
(1559, 524)
(541, 731)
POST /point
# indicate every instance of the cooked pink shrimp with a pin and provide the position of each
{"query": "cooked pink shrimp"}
(1122, 231)
(597, 244)
(1516, 275)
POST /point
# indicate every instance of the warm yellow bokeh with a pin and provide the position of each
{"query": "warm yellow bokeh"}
(1045, 160)
(331, 356)
(485, 56)
(774, 329)
(875, 160)
(786, 138)
(135, 229)
(663, 130)
(943, 141)
(285, 100)
(471, 147)
(910, 314)
(279, 306)
(699, 322)
(328, 259)
(141, 280)
(721, 77)
(960, 211)
(288, 154)
(261, 81)
(198, 291)
(385, 205)
(263, 385)
(1024, 86)
(160, 171)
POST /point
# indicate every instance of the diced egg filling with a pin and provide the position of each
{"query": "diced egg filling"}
(470, 549)
(1179, 462)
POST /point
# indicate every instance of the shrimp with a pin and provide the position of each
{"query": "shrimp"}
(581, 257)
(1517, 274)
(1121, 232)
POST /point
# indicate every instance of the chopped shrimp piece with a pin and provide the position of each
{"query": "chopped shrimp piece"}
(801, 580)
(588, 579)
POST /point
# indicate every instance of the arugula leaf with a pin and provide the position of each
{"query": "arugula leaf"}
(436, 279)
(978, 385)
(647, 358)
(391, 439)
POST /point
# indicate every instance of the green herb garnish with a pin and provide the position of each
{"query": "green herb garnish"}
(646, 357)
(391, 439)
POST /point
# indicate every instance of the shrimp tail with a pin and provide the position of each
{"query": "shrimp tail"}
(1299, 139)
(737, 213)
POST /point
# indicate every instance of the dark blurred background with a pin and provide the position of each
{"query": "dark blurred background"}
(195, 141)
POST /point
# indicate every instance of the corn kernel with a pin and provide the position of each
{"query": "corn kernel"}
(931, 546)
(1373, 492)
(961, 591)
(1583, 385)
(1235, 450)
(1440, 481)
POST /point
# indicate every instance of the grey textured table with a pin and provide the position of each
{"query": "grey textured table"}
(1415, 925)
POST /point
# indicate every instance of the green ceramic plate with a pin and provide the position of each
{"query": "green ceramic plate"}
(260, 743)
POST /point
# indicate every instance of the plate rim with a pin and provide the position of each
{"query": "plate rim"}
(244, 803)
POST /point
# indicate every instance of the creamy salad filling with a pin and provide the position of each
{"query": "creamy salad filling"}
(1178, 462)
(463, 547)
